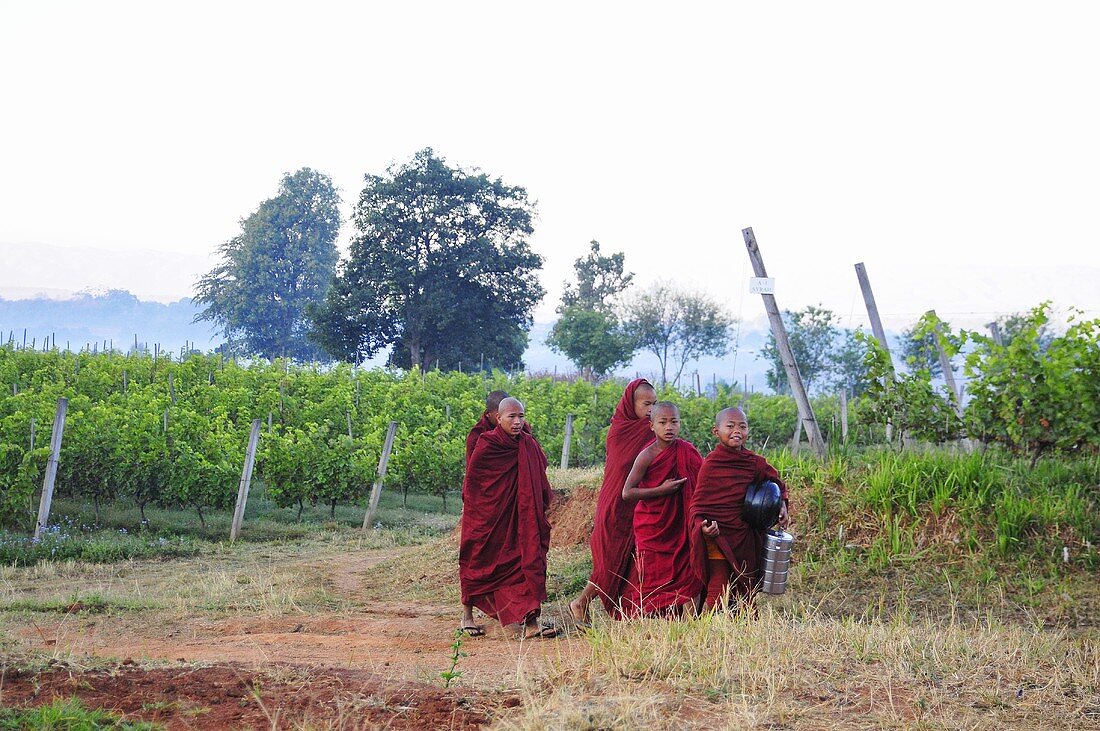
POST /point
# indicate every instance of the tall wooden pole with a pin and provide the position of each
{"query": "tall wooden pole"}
(844, 415)
(945, 365)
(51, 467)
(779, 332)
(383, 462)
(568, 438)
(246, 480)
(872, 308)
(876, 327)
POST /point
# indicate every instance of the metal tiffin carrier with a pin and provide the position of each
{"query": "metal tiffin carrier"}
(777, 561)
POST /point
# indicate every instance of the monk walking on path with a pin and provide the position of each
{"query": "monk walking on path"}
(612, 540)
(487, 422)
(505, 532)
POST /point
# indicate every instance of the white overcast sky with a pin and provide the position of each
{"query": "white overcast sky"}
(952, 147)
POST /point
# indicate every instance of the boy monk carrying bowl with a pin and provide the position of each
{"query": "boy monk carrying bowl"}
(660, 484)
(725, 550)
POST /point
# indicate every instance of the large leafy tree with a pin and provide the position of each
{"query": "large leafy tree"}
(813, 337)
(678, 326)
(439, 268)
(283, 259)
(589, 330)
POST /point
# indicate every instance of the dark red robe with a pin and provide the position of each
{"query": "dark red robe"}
(719, 495)
(662, 576)
(612, 540)
(505, 533)
(483, 425)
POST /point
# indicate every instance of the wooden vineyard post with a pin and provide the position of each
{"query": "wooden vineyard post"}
(246, 479)
(945, 365)
(779, 332)
(383, 462)
(568, 440)
(51, 467)
(876, 327)
(844, 415)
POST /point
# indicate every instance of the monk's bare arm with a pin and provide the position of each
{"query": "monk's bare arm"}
(631, 491)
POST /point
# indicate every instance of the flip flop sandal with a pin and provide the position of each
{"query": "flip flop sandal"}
(472, 631)
(544, 632)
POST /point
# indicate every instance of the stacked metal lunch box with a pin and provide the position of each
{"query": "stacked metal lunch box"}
(777, 561)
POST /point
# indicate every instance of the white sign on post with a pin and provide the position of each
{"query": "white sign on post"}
(761, 285)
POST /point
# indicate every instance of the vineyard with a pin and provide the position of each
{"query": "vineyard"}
(166, 432)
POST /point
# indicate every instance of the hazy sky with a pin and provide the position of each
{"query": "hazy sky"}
(952, 147)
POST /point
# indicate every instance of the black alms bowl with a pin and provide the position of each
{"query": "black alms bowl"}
(763, 501)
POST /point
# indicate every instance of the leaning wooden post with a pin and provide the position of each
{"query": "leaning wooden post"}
(945, 365)
(876, 327)
(246, 479)
(51, 467)
(383, 462)
(796, 440)
(779, 332)
(568, 440)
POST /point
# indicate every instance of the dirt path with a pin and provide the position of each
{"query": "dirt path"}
(400, 640)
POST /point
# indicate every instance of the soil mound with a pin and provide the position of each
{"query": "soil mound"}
(572, 516)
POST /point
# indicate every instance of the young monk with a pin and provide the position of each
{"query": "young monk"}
(487, 422)
(661, 483)
(612, 539)
(505, 533)
(726, 550)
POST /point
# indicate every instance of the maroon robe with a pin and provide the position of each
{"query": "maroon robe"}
(719, 495)
(662, 576)
(612, 540)
(483, 425)
(505, 533)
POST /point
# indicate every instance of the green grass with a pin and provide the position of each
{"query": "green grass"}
(67, 715)
(120, 535)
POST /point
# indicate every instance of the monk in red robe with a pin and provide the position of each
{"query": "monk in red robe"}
(487, 422)
(725, 550)
(612, 540)
(661, 483)
(505, 532)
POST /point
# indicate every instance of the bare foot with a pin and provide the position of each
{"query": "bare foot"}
(579, 609)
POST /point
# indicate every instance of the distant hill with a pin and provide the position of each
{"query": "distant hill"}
(116, 316)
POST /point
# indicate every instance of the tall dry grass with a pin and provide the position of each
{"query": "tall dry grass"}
(815, 672)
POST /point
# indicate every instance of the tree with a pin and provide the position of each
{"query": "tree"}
(918, 348)
(813, 336)
(283, 260)
(678, 326)
(850, 369)
(440, 269)
(601, 281)
(589, 330)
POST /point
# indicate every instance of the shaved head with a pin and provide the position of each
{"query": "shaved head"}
(509, 403)
(732, 411)
(663, 406)
(492, 403)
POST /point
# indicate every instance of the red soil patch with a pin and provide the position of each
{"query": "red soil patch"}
(236, 696)
(572, 516)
